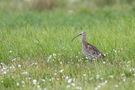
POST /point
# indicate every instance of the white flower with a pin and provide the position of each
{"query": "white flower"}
(95, 88)
(43, 80)
(91, 78)
(134, 75)
(19, 65)
(49, 58)
(61, 70)
(69, 80)
(4, 72)
(76, 56)
(111, 76)
(60, 62)
(10, 51)
(17, 84)
(68, 86)
(97, 76)
(98, 86)
(124, 79)
(67, 77)
(79, 88)
(84, 75)
(54, 54)
(55, 74)
(70, 11)
(25, 73)
(28, 78)
(34, 81)
(116, 86)
(23, 82)
(101, 78)
(57, 79)
(38, 86)
(14, 59)
(123, 75)
(105, 82)
(44, 89)
(73, 84)
(132, 69)
(34, 63)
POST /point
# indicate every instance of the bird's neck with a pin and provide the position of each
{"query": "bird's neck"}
(83, 39)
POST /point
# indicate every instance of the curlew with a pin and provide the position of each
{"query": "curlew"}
(89, 50)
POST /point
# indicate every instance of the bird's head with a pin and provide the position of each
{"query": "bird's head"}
(82, 33)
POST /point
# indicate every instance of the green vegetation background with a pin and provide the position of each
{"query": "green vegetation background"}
(36, 51)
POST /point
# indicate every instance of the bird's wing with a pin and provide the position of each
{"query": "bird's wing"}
(95, 51)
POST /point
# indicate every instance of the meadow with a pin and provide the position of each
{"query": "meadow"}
(36, 52)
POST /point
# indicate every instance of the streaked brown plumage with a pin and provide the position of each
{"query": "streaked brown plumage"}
(89, 50)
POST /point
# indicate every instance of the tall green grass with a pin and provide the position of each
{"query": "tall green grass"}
(36, 51)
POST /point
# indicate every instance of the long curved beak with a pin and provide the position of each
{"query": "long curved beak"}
(76, 36)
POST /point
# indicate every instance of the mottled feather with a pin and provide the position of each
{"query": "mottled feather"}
(89, 50)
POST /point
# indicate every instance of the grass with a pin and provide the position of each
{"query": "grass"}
(37, 52)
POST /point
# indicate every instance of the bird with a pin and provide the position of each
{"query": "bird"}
(89, 50)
